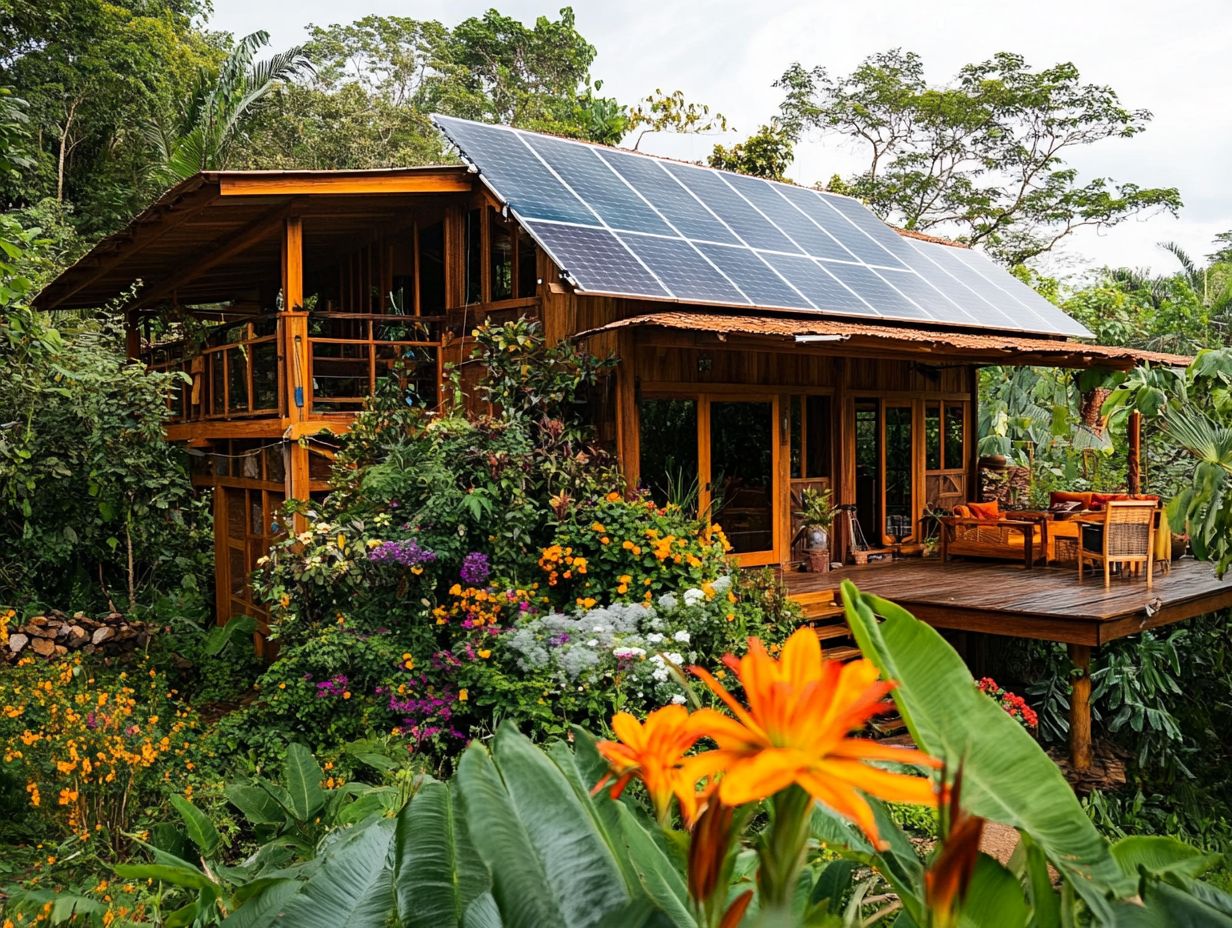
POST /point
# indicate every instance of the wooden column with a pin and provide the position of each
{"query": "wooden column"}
(132, 336)
(1080, 708)
(1133, 465)
(628, 444)
(222, 559)
(973, 445)
(296, 360)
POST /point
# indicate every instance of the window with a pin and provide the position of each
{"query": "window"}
(668, 439)
(500, 252)
(474, 256)
(945, 434)
(899, 512)
(528, 272)
(810, 437)
(432, 269)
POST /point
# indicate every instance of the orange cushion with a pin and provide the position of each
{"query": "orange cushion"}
(1063, 496)
(1099, 499)
(985, 512)
(962, 512)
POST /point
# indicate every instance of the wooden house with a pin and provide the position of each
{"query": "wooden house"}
(770, 338)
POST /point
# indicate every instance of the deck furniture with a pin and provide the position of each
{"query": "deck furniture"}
(1009, 537)
(1125, 537)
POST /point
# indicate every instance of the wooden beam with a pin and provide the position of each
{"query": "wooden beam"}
(444, 181)
(142, 236)
(627, 429)
(1080, 708)
(221, 250)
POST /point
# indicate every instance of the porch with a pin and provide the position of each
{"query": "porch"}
(1044, 603)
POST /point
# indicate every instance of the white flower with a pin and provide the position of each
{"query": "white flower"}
(675, 657)
(678, 699)
(598, 628)
(668, 601)
(654, 637)
(628, 653)
(693, 596)
(592, 643)
(722, 584)
(682, 636)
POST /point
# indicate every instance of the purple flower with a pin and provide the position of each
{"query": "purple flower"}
(408, 553)
(334, 686)
(475, 569)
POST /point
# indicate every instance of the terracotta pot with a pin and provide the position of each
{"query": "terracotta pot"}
(817, 560)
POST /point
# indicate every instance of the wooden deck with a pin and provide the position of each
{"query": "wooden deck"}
(1048, 603)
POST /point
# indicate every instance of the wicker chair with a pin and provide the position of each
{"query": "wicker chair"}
(1127, 539)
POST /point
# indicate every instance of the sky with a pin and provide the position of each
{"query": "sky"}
(1170, 58)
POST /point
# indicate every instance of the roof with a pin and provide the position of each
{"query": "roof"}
(879, 339)
(635, 226)
(227, 222)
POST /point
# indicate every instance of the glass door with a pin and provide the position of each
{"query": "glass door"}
(741, 483)
(717, 454)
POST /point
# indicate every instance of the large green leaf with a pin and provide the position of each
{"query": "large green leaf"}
(256, 803)
(1160, 855)
(351, 886)
(437, 872)
(994, 898)
(1007, 777)
(166, 873)
(549, 864)
(303, 776)
(197, 824)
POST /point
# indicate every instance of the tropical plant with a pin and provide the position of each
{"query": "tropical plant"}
(212, 120)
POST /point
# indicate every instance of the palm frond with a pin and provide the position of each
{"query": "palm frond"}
(1193, 273)
(1194, 431)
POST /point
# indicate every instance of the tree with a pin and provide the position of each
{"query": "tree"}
(671, 112)
(215, 115)
(984, 156)
(765, 153)
(93, 72)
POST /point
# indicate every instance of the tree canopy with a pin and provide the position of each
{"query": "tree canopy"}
(983, 157)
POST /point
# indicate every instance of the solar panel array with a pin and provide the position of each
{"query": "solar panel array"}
(625, 224)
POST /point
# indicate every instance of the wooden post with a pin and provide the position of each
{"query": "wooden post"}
(132, 336)
(1133, 458)
(1080, 709)
(628, 450)
(974, 491)
(296, 359)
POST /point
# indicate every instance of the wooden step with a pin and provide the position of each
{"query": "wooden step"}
(841, 653)
(888, 725)
(836, 630)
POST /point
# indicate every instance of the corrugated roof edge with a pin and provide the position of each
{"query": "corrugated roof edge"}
(1079, 354)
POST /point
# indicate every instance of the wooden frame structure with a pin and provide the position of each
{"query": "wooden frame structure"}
(285, 297)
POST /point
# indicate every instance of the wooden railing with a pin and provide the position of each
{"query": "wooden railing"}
(349, 352)
(237, 373)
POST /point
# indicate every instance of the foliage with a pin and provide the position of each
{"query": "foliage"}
(671, 112)
(768, 153)
(984, 155)
(210, 123)
(90, 747)
(817, 507)
(91, 497)
(93, 73)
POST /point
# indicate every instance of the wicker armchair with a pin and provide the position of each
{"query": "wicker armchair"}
(1004, 538)
(1125, 537)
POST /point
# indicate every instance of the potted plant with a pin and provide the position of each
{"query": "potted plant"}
(817, 513)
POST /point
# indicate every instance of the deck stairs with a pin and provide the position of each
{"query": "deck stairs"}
(823, 612)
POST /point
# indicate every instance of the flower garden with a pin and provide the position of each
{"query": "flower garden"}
(504, 689)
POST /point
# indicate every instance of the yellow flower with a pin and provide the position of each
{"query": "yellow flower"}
(463, 695)
(484, 653)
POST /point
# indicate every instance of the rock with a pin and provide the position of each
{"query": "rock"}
(77, 636)
(44, 647)
(17, 642)
(38, 620)
(103, 634)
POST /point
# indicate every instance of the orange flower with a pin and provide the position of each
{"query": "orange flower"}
(796, 730)
(654, 753)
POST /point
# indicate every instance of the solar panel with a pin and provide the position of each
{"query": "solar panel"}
(627, 224)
